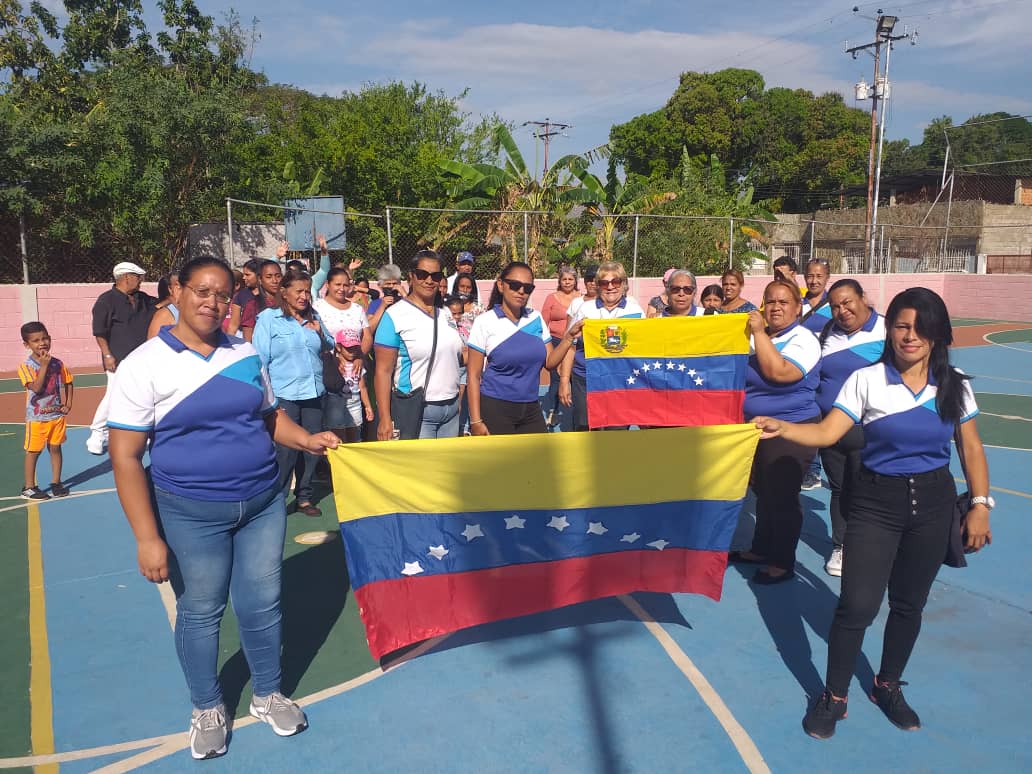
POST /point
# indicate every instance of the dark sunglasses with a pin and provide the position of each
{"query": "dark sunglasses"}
(515, 286)
(687, 289)
(608, 283)
(422, 274)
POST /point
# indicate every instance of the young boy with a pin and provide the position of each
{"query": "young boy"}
(43, 377)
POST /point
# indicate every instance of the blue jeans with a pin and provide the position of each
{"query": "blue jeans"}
(440, 419)
(309, 414)
(218, 549)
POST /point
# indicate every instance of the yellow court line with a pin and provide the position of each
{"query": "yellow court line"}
(1014, 492)
(41, 712)
(747, 749)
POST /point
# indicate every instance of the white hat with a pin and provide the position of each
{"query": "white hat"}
(126, 267)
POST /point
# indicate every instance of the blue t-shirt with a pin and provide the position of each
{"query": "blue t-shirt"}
(903, 432)
(819, 317)
(794, 401)
(207, 416)
(515, 353)
(843, 353)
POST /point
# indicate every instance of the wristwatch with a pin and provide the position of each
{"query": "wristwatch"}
(988, 502)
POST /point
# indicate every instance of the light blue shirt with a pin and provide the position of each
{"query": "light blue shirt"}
(290, 353)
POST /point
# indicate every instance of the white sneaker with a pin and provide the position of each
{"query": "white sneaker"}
(95, 443)
(208, 733)
(834, 563)
(285, 717)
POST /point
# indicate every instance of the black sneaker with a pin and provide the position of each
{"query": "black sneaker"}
(34, 493)
(58, 490)
(889, 698)
(821, 718)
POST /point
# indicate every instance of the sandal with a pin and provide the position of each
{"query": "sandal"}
(739, 557)
(308, 509)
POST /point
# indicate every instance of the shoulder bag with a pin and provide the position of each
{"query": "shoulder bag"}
(407, 408)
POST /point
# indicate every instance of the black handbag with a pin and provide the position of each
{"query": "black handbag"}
(407, 408)
(333, 379)
(955, 548)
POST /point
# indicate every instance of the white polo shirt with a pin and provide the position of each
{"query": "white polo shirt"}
(903, 432)
(843, 353)
(515, 353)
(408, 329)
(596, 310)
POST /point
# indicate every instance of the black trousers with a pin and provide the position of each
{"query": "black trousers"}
(896, 537)
(504, 417)
(777, 474)
(841, 464)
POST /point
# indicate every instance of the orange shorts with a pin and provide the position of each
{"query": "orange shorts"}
(39, 435)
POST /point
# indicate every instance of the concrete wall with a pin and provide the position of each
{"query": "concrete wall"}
(66, 309)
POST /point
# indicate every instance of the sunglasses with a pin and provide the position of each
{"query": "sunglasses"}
(686, 289)
(516, 286)
(608, 283)
(422, 274)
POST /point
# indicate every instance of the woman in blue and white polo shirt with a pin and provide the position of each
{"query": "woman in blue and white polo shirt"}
(508, 347)
(781, 382)
(854, 339)
(911, 404)
(680, 291)
(217, 519)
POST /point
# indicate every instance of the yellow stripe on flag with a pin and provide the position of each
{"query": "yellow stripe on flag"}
(542, 471)
(717, 334)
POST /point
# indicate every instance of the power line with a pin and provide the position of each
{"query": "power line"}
(546, 130)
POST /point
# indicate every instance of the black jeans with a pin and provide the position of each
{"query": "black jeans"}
(504, 417)
(842, 463)
(777, 474)
(896, 537)
(307, 413)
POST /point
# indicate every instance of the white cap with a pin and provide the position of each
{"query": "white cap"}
(126, 267)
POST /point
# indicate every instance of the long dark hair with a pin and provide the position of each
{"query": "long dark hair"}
(475, 295)
(932, 323)
(427, 255)
(289, 279)
(496, 294)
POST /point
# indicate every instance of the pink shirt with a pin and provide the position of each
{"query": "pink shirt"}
(554, 313)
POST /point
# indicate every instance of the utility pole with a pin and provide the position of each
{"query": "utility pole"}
(545, 131)
(877, 93)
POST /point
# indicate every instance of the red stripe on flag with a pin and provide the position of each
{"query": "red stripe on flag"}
(406, 610)
(665, 408)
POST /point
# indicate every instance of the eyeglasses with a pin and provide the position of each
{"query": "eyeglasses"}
(516, 286)
(608, 283)
(676, 289)
(205, 293)
(422, 274)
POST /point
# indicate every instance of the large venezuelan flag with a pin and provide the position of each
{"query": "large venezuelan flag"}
(669, 371)
(450, 533)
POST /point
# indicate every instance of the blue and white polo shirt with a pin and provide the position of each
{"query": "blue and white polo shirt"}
(207, 416)
(596, 310)
(794, 401)
(843, 353)
(693, 311)
(903, 432)
(821, 316)
(515, 353)
(408, 329)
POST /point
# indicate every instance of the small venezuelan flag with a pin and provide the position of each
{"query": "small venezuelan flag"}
(669, 371)
(449, 533)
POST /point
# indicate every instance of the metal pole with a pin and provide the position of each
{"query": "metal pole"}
(390, 240)
(881, 250)
(949, 208)
(731, 243)
(881, 137)
(634, 264)
(229, 227)
(24, 248)
(813, 227)
(869, 232)
(525, 224)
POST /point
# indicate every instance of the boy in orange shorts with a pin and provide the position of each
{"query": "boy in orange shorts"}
(43, 376)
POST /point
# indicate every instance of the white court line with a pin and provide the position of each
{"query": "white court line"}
(747, 749)
(72, 496)
(1013, 417)
(987, 340)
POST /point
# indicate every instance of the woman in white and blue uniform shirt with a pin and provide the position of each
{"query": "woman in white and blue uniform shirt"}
(289, 339)
(816, 306)
(508, 347)
(610, 303)
(404, 341)
(911, 404)
(680, 290)
(217, 518)
(781, 381)
(853, 339)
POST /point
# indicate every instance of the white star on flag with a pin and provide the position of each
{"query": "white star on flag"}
(636, 372)
(659, 545)
(438, 552)
(411, 568)
(631, 538)
(670, 365)
(681, 367)
(630, 380)
(514, 522)
(646, 368)
(692, 372)
(596, 528)
(558, 523)
(657, 365)
(472, 532)
(698, 381)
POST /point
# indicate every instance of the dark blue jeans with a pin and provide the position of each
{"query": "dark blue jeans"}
(309, 414)
(220, 549)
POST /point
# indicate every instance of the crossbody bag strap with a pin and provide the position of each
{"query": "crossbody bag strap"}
(433, 352)
(959, 442)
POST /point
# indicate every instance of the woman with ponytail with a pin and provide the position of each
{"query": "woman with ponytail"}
(911, 404)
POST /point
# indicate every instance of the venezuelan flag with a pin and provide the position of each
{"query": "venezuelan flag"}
(449, 533)
(669, 371)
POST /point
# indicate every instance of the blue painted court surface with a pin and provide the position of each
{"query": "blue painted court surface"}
(708, 687)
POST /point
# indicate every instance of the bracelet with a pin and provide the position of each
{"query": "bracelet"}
(476, 422)
(109, 355)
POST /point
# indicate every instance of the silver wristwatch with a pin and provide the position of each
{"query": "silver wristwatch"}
(988, 502)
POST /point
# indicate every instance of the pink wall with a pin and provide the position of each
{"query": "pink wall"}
(66, 309)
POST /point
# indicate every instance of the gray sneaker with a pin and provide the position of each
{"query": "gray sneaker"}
(285, 717)
(208, 733)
